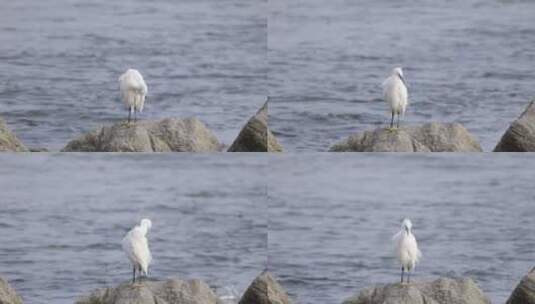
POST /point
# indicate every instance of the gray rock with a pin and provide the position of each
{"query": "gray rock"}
(255, 136)
(8, 294)
(38, 149)
(154, 292)
(265, 290)
(520, 137)
(8, 141)
(524, 292)
(167, 135)
(431, 137)
(441, 291)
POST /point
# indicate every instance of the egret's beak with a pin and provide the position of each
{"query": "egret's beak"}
(403, 80)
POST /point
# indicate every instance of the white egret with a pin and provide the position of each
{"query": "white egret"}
(133, 91)
(136, 247)
(406, 248)
(396, 94)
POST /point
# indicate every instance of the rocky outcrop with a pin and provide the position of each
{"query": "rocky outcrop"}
(265, 290)
(524, 292)
(8, 141)
(167, 135)
(431, 137)
(154, 292)
(441, 291)
(255, 136)
(520, 137)
(8, 294)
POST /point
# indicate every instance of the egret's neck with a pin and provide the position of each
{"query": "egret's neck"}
(144, 229)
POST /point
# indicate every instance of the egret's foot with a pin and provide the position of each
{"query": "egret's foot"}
(391, 129)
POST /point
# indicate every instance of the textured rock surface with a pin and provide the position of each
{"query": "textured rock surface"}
(265, 290)
(431, 137)
(441, 291)
(167, 135)
(255, 136)
(8, 141)
(8, 294)
(524, 293)
(520, 137)
(154, 292)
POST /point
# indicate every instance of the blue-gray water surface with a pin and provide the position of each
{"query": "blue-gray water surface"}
(60, 61)
(468, 61)
(63, 217)
(331, 220)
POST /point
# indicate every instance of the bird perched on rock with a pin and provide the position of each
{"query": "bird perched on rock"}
(406, 249)
(133, 91)
(136, 247)
(396, 94)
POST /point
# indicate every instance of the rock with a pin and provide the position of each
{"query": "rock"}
(255, 136)
(441, 291)
(8, 141)
(524, 292)
(520, 137)
(167, 135)
(38, 149)
(431, 137)
(8, 294)
(265, 290)
(154, 292)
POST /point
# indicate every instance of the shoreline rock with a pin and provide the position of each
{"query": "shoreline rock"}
(440, 291)
(255, 136)
(265, 290)
(520, 136)
(8, 295)
(524, 292)
(9, 141)
(172, 291)
(430, 137)
(166, 135)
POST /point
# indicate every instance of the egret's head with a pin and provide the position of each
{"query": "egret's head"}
(146, 224)
(397, 71)
(407, 225)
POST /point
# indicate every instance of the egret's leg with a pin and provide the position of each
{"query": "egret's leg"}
(129, 114)
(398, 120)
(402, 272)
(135, 114)
(408, 276)
(392, 121)
(134, 277)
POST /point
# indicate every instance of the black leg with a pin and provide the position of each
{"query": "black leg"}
(135, 114)
(402, 272)
(134, 277)
(408, 276)
(398, 120)
(392, 120)
(129, 114)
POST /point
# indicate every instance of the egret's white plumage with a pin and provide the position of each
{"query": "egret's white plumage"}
(133, 91)
(136, 247)
(396, 94)
(406, 248)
